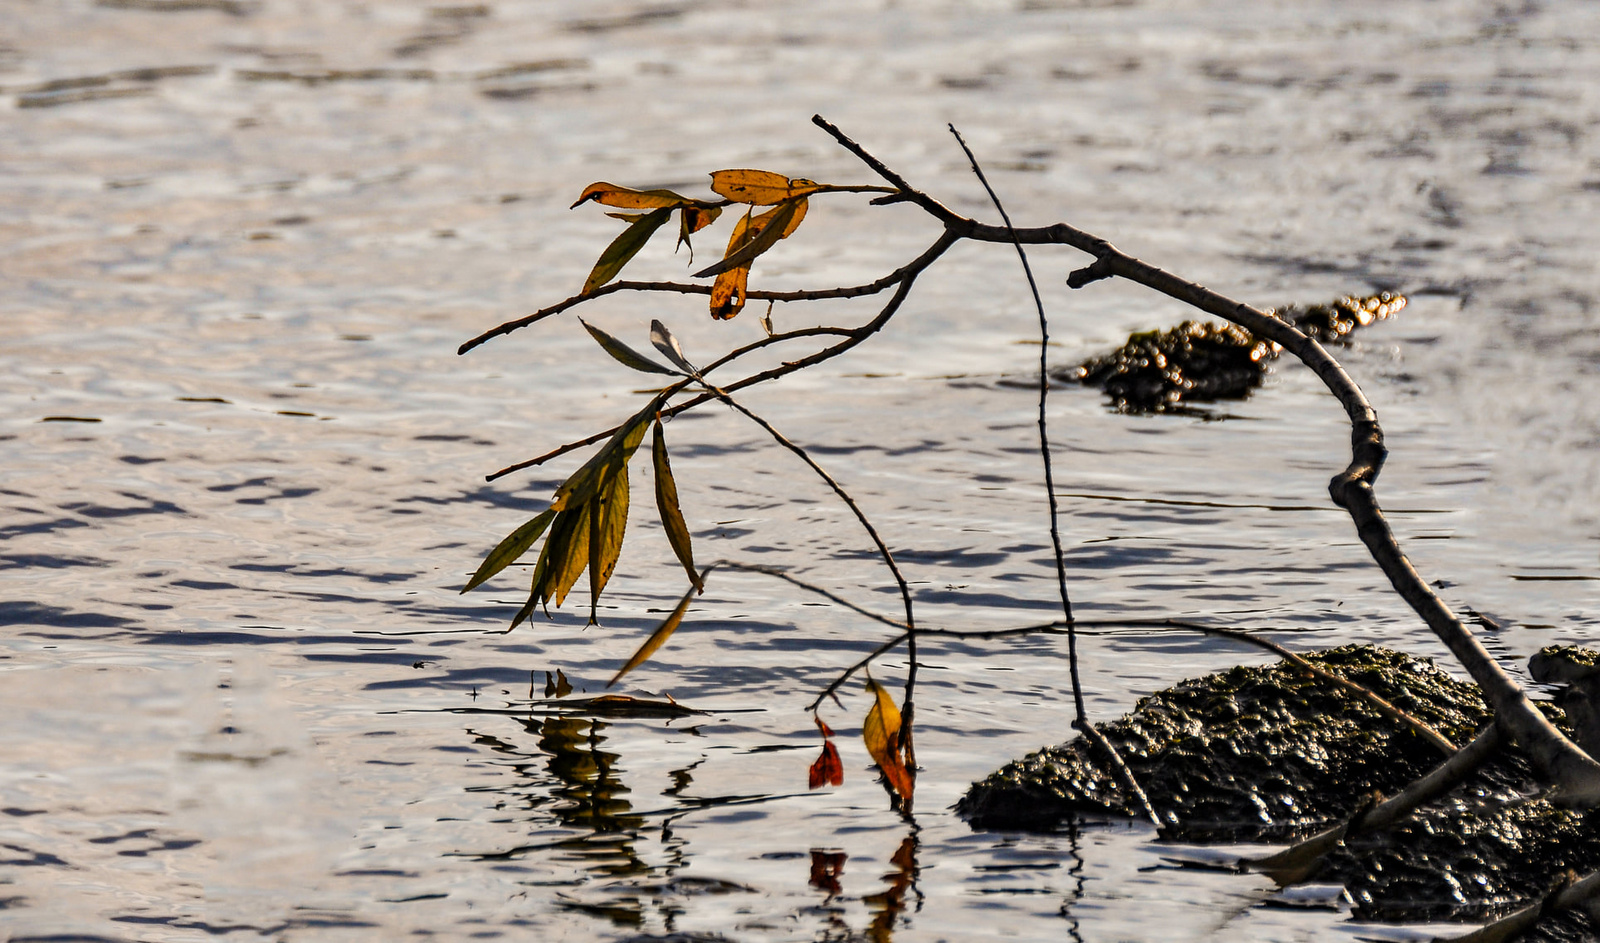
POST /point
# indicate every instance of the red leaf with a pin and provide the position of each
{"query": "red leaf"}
(828, 768)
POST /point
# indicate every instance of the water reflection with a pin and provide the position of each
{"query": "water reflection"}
(627, 862)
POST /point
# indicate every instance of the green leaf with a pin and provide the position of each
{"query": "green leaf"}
(624, 354)
(661, 634)
(510, 549)
(608, 522)
(625, 247)
(776, 228)
(580, 485)
(667, 504)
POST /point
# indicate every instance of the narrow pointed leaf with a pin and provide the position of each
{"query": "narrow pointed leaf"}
(799, 216)
(573, 557)
(580, 485)
(625, 247)
(624, 354)
(510, 549)
(759, 187)
(608, 524)
(763, 233)
(523, 613)
(667, 504)
(658, 637)
(663, 341)
(629, 199)
(881, 733)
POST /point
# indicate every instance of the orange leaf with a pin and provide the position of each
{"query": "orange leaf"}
(828, 768)
(759, 187)
(881, 733)
(826, 730)
(728, 293)
(612, 195)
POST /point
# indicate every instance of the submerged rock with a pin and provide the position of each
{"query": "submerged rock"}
(1162, 371)
(1274, 754)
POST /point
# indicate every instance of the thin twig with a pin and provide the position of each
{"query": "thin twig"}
(1044, 430)
(814, 588)
(883, 551)
(853, 337)
(1082, 722)
(1378, 702)
(682, 288)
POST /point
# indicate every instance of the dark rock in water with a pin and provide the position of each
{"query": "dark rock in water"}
(1275, 754)
(1161, 371)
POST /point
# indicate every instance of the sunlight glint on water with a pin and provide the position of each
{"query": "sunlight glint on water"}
(242, 694)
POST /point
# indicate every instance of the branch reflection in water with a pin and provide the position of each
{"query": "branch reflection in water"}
(623, 877)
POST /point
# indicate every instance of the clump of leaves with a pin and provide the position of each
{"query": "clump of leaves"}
(586, 522)
(753, 234)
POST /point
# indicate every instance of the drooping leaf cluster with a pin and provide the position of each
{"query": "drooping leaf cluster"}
(584, 526)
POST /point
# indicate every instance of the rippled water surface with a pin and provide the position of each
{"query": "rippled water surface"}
(243, 467)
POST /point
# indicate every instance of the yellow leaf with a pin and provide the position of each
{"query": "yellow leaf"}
(728, 293)
(580, 486)
(692, 219)
(759, 187)
(629, 199)
(568, 560)
(660, 635)
(608, 522)
(759, 234)
(881, 733)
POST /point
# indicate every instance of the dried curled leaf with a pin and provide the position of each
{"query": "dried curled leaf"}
(881, 733)
(692, 219)
(625, 247)
(627, 198)
(729, 291)
(760, 187)
(828, 768)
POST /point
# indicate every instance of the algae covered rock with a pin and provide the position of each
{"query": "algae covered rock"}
(1161, 371)
(1274, 754)
(1252, 753)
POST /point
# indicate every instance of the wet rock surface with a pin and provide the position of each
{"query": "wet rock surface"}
(1274, 754)
(1195, 362)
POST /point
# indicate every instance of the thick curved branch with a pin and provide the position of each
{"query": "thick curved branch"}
(1575, 777)
(1301, 861)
